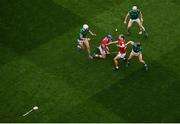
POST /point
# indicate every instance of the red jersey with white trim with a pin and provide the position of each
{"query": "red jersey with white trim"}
(122, 43)
(105, 41)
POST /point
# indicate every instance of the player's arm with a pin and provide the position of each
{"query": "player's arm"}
(91, 33)
(113, 42)
(125, 20)
(130, 42)
(141, 16)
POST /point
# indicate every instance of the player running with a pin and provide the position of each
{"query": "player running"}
(136, 52)
(122, 51)
(103, 49)
(83, 41)
(135, 17)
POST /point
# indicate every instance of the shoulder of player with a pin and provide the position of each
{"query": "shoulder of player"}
(130, 11)
(104, 40)
(81, 30)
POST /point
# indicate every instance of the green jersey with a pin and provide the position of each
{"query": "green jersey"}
(134, 15)
(136, 48)
(83, 33)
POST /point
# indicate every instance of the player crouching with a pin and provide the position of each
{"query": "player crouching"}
(136, 52)
(103, 49)
(122, 51)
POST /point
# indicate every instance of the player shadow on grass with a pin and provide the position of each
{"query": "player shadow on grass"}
(26, 25)
(144, 97)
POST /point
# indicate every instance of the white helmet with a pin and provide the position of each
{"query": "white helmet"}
(85, 27)
(134, 8)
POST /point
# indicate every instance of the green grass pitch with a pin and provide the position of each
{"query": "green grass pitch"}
(39, 63)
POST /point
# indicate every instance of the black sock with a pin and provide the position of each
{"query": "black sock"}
(128, 30)
(124, 59)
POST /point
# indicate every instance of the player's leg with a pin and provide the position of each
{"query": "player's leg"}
(104, 52)
(86, 43)
(80, 45)
(142, 61)
(103, 55)
(140, 24)
(129, 26)
(107, 50)
(116, 62)
(142, 27)
(96, 53)
(100, 53)
(123, 58)
(129, 58)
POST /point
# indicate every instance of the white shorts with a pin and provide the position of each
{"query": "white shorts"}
(121, 55)
(80, 42)
(135, 20)
(102, 51)
(135, 54)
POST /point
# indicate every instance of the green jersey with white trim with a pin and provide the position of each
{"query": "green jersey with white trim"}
(134, 14)
(83, 33)
(136, 48)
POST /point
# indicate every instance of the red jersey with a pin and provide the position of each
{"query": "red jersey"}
(105, 41)
(122, 49)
